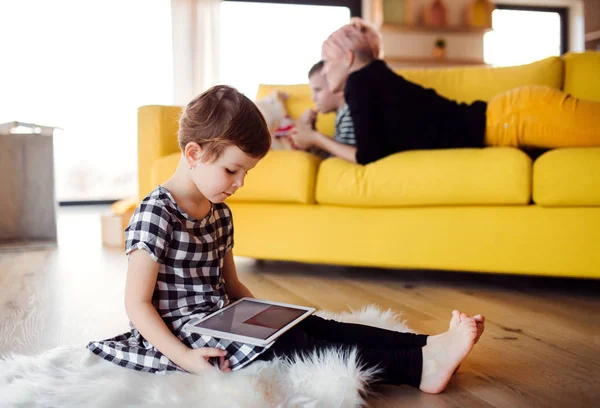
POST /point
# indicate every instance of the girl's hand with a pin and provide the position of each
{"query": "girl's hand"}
(197, 360)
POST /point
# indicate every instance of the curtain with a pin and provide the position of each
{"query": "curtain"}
(195, 25)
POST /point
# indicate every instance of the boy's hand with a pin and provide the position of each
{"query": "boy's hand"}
(308, 118)
(303, 138)
(197, 360)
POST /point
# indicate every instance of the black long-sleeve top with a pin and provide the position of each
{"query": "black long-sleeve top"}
(391, 114)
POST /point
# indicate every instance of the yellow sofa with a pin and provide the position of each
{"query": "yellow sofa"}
(482, 210)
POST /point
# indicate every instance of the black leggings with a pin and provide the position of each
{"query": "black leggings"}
(398, 355)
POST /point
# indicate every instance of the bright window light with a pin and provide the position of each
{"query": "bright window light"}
(520, 37)
(273, 43)
(86, 67)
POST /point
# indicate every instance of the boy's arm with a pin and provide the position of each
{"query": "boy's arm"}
(343, 151)
(305, 138)
(235, 289)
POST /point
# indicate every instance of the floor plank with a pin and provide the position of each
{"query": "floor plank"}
(541, 347)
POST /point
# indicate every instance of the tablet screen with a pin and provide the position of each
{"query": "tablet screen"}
(252, 319)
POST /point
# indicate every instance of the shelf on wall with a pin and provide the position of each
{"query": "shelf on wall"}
(434, 61)
(420, 28)
(592, 36)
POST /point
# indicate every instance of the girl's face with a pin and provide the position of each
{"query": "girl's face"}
(221, 178)
(336, 69)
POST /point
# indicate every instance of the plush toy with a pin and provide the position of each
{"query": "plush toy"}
(279, 122)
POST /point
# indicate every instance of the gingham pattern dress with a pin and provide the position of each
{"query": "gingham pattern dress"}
(189, 285)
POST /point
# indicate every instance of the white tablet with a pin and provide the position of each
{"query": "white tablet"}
(251, 321)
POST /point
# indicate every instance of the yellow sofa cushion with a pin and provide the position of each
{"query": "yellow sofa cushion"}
(567, 177)
(490, 176)
(482, 83)
(300, 100)
(582, 75)
(282, 176)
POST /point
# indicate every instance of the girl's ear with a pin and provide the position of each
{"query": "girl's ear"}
(192, 153)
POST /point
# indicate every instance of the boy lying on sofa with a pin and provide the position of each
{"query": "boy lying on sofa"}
(305, 136)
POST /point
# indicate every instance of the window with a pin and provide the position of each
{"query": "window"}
(280, 42)
(86, 67)
(525, 34)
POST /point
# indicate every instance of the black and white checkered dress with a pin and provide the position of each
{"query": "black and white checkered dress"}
(189, 285)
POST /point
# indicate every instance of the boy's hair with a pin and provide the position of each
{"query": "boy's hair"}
(222, 117)
(316, 69)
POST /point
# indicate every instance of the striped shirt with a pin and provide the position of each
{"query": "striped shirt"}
(344, 128)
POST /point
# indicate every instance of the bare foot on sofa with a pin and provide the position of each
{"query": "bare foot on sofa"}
(443, 354)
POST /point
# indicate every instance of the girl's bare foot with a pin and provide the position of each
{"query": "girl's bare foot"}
(455, 320)
(479, 319)
(444, 352)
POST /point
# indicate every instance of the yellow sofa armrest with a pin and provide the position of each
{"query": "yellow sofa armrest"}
(157, 137)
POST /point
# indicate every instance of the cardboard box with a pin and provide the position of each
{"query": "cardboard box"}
(113, 229)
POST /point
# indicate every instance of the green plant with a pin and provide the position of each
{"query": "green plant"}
(440, 43)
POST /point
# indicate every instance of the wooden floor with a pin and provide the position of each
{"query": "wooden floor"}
(541, 347)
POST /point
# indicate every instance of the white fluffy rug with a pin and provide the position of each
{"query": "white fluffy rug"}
(73, 377)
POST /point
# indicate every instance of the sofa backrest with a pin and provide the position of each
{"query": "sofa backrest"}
(582, 75)
(483, 83)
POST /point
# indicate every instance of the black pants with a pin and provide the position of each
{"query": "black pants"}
(398, 355)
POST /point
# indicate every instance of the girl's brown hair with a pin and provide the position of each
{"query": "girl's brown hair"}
(222, 117)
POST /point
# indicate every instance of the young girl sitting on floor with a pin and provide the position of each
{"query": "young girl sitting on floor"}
(181, 267)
